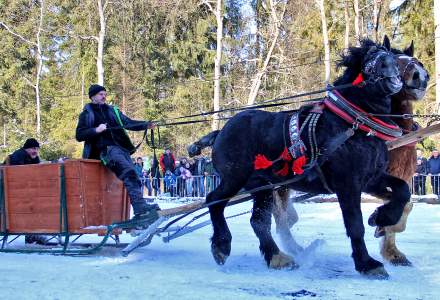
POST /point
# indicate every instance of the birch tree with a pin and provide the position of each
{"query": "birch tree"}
(36, 47)
(437, 52)
(216, 7)
(325, 40)
(357, 31)
(276, 25)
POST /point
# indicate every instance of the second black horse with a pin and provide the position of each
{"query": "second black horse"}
(355, 166)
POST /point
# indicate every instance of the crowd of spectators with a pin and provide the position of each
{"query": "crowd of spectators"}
(180, 178)
(427, 168)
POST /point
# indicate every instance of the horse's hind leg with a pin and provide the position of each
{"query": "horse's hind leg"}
(285, 217)
(261, 223)
(221, 239)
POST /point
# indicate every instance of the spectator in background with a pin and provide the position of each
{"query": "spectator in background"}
(155, 175)
(434, 171)
(211, 177)
(169, 181)
(167, 161)
(420, 175)
(198, 171)
(147, 180)
(179, 185)
(187, 179)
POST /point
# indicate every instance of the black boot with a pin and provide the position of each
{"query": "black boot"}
(37, 239)
(141, 210)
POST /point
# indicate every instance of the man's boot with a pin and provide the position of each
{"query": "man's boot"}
(142, 210)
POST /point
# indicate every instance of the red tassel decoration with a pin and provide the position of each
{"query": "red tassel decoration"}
(261, 162)
(359, 79)
(286, 155)
(284, 171)
(298, 164)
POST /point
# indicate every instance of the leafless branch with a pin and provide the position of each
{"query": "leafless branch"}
(17, 35)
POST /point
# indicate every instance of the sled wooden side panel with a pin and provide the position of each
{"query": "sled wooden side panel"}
(32, 194)
(95, 196)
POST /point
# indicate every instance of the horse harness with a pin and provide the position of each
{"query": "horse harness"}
(295, 153)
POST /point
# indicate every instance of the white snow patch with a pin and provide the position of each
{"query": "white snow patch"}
(184, 268)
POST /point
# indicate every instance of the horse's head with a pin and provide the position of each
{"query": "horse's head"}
(377, 65)
(414, 75)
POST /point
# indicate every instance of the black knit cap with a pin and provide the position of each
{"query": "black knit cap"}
(31, 143)
(95, 89)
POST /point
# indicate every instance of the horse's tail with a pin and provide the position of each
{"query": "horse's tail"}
(206, 141)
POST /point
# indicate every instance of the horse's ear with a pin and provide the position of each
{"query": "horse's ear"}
(386, 42)
(410, 50)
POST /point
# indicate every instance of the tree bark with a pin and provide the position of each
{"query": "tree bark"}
(256, 83)
(347, 27)
(39, 69)
(217, 63)
(356, 22)
(437, 52)
(325, 40)
(101, 39)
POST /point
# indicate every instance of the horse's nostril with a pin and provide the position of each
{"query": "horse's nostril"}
(416, 75)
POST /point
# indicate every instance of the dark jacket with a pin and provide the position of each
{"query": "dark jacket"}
(434, 165)
(422, 169)
(199, 167)
(20, 157)
(167, 162)
(85, 130)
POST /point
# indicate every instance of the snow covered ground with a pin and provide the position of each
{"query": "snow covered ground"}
(184, 268)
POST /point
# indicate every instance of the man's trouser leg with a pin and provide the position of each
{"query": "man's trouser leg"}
(119, 161)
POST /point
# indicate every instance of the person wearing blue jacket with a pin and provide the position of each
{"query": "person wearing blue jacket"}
(434, 171)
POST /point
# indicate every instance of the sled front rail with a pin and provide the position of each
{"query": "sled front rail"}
(60, 201)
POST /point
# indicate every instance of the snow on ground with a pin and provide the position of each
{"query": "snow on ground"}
(184, 269)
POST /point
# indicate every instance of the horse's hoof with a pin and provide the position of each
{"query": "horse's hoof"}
(380, 231)
(219, 257)
(401, 261)
(377, 273)
(372, 218)
(282, 261)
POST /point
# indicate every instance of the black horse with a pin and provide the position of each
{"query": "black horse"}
(358, 165)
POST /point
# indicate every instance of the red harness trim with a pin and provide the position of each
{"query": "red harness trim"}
(391, 126)
(332, 107)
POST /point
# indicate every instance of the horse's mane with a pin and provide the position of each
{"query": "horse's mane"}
(353, 60)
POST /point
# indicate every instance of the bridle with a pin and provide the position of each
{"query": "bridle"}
(411, 61)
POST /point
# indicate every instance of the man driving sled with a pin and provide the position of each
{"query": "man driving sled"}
(102, 129)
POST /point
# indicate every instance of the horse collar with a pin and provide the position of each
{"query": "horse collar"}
(360, 119)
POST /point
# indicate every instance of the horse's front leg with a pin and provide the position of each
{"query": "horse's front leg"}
(388, 247)
(398, 193)
(350, 202)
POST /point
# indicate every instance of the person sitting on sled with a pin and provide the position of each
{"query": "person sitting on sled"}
(28, 155)
(102, 129)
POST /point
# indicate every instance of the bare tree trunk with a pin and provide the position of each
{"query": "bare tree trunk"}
(347, 27)
(256, 83)
(377, 7)
(356, 22)
(82, 85)
(39, 69)
(4, 132)
(325, 40)
(217, 63)
(437, 52)
(101, 37)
